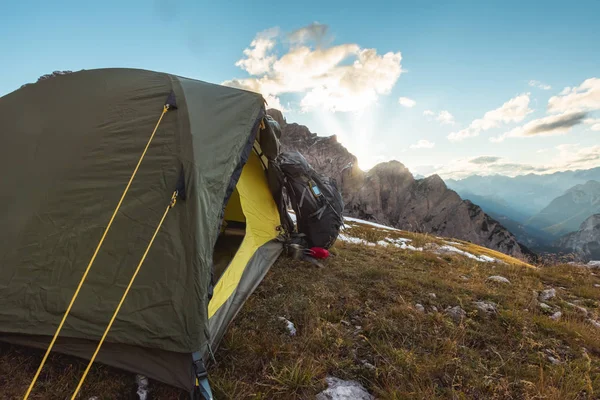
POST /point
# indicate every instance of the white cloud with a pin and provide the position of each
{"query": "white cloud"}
(314, 32)
(338, 78)
(539, 85)
(406, 102)
(258, 60)
(568, 157)
(546, 126)
(445, 118)
(514, 110)
(423, 144)
(595, 123)
(585, 97)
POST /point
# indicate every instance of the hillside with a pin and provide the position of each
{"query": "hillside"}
(407, 315)
(585, 242)
(566, 213)
(535, 239)
(389, 194)
(524, 194)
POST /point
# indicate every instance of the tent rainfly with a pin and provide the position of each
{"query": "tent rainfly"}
(69, 146)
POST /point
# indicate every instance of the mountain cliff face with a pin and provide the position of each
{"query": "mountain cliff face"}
(586, 241)
(389, 194)
(566, 213)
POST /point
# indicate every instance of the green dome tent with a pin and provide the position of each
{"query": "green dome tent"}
(69, 145)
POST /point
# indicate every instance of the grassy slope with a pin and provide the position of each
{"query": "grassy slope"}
(361, 308)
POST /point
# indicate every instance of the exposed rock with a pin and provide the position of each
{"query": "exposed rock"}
(368, 365)
(142, 390)
(389, 194)
(485, 308)
(547, 294)
(585, 242)
(343, 390)
(595, 323)
(434, 309)
(545, 307)
(343, 322)
(596, 285)
(419, 307)
(593, 264)
(553, 360)
(498, 279)
(464, 278)
(556, 316)
(278, 117)
(456, 313)
(432, 295)
(289, 325)
(582, 310)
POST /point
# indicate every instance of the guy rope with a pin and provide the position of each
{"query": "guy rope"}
(89, 266)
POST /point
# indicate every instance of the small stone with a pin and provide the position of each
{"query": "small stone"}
(289, 325)
(456, 313)
(545, 307)
(583, 310)
(434, 309)
(420, 308)
(547, 294)
(344, 322)
(596, 285)
(368, 365)
(340, 390)
(556, 316)
(498, 279)
(432, 295)
(464, 278)
(486, 308)
(595, 323)
(553, 360)
(593, 264)
(358, 327)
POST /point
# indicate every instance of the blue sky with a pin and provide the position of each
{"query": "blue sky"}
(465, 58)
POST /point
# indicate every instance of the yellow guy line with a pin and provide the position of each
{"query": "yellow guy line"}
(112, 319)
(64, 318)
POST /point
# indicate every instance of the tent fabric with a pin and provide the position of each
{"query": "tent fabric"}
(68, 147)
(165, 366)
(262, 220)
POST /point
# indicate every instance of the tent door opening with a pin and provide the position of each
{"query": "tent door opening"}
(231, 235)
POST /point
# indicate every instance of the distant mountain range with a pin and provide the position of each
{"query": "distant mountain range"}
(525, 195)
(537, 209)
(565, 213)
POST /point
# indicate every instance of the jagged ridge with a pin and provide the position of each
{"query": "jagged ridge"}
(389, 194)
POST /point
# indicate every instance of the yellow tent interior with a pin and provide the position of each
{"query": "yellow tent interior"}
(251, 220)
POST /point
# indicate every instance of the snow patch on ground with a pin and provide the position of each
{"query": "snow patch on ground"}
(453, 249)
(360, 221)
(401, 243)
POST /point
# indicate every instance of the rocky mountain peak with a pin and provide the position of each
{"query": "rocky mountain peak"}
(389, 194)
(277, 116)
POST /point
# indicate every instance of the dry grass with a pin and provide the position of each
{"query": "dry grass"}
(360, 310)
